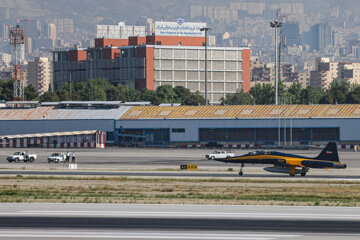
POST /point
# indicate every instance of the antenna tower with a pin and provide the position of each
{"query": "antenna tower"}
(276, 24)
(17, 42)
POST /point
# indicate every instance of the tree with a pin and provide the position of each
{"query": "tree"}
(294, 92)
(195, 99)
(310, 95)
(263, 94)
(63, 95)
(128, 94)
(112, 94)
(49, 97)
(182, 93)
(239, 98)
(283, 91)
(96, 89)
(354, 95)
(185, 97)
(30, 93)
(150, 96)
(337, 92)
(6, 90)
(166, 93)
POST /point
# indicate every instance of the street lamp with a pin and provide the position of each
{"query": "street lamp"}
(276, 24)
(206, 29)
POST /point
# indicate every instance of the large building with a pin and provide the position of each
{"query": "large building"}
(182, 125)
(320, 37)
(290, 33)
(174, 55)
(39, 74)
(326, 72)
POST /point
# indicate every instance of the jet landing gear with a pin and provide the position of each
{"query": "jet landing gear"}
(241, 171)
(304, 171)
(292, 171)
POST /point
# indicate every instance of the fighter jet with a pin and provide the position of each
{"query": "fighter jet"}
(289, 163)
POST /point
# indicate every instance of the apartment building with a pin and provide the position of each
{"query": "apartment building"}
(326, 72)
(39, 74)
(264, 73)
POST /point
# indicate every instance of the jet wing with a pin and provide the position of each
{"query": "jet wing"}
(253, 160)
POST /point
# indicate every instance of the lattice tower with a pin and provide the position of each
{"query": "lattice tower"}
(17, 41)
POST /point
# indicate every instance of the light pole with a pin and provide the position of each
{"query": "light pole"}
(276, 25)
(206, 29)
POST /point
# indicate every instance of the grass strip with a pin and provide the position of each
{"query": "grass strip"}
(178, 190)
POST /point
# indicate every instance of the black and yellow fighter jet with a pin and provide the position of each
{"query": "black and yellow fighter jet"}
(289, 163)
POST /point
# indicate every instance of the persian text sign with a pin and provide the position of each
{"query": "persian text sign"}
(179, 29)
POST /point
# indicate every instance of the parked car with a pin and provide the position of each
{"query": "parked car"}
(220, 154)
(57, 157)
(214, 145)
(22, 156)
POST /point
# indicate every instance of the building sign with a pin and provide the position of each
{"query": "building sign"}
(179, 28)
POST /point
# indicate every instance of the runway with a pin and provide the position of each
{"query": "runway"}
(323, 176)
(157, 157)
(157, 162)
(94, 221)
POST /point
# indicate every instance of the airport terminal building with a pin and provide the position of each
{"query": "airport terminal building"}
(129, 124)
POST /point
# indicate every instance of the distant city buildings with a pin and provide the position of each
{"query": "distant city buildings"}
(264, 73)
(63, 25)
(326, 72)
(5, 59)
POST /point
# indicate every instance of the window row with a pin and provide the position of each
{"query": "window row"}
(198, 53)
(194, 75)
(198, 64)
(269, 134)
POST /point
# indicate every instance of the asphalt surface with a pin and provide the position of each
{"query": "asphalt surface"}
(175, 174)
(92, 221)
(160, 156)
(115, 161)
(110, 221)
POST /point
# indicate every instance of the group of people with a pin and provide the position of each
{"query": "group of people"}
(72, 155)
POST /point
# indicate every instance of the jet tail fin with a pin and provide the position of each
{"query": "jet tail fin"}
(329, 153)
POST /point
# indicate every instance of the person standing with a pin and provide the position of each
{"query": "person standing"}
(26, 156)
(73, 157)
(68, 156)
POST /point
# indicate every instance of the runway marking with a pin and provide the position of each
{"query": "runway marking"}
(142, 235)
(182, 214)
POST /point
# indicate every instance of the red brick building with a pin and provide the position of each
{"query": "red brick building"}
(152, 61)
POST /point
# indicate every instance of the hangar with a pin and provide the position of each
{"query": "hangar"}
(143, 125)
(258, 124)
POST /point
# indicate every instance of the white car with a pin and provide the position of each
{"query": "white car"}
(219, 155)
(57, 157)
(20, 156)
